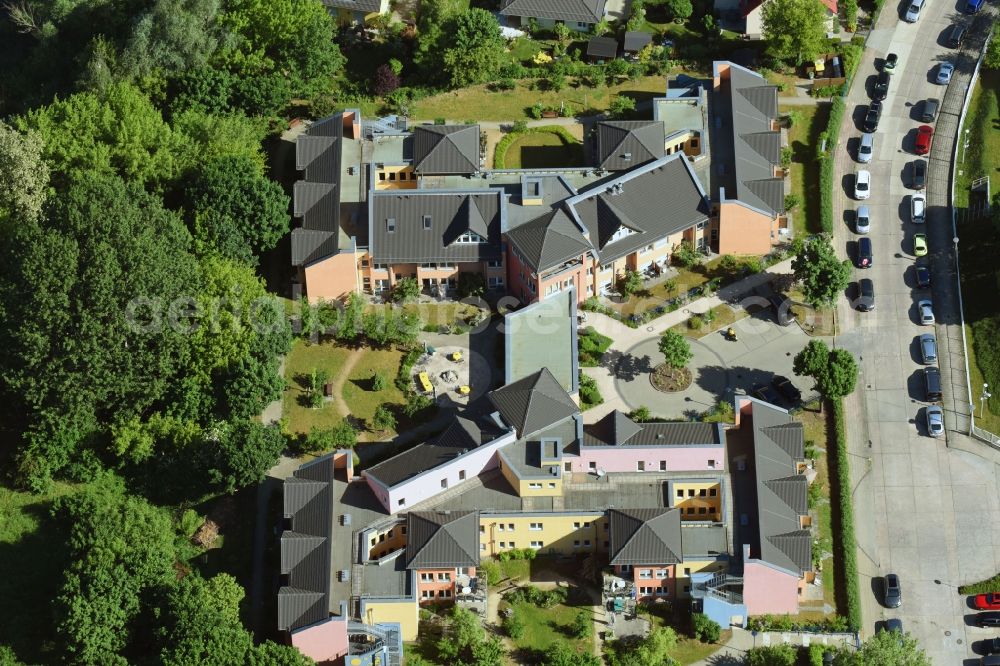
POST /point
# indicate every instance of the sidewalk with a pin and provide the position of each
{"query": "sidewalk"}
(734, 652)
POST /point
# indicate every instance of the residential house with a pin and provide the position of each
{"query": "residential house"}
(356, 11)
(579, 15)
(442, 549)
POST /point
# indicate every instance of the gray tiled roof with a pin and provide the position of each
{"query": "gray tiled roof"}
(645, 536)
(781, 497)
(459, 437)
(583, 11)
(356, 5)
(450, 214)
(602, 47)
(640, 140)
(549, 240)
(441, 539)
(305, 548)
(635, 40)
(660, 198)
(755, 145)
(446, 149)
(317, 196)
(616, 429)
(533, 403)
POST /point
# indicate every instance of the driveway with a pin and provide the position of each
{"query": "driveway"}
(922, 506)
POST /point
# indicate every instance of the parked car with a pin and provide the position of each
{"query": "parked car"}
(862, 184)
(926, 309)
(945, 71)
(782, 308)
(765, 393)
(893, 624)
(881, 86)
(956, 35)
(866, 147)
(922, 145)
(990, 601)
(991, 619)
(918, 174)
(918, 208)
(786, 388)
(864, 259)
(893, 594)
(928, 349)
(928, 112)
(862, 220)
(920, 245)
(990, 645)
(923, 277)
(866, 295)
(913, 11)
(889, 65)
(872, 116)
(935, 420)
(932, 384)
(973, 6)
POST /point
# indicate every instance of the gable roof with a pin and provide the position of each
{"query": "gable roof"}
(449, 215)
(440, 149)
(461, 435)
(640, 140)
(636, 40)
(656, 200)
(442, 539)
(778, 445)
(645, 536)
(617, 429)
(583, 11)
(602, 47)
(533, 403)
(305, 548)
(549, 240)
(316, 198)
(356, 5)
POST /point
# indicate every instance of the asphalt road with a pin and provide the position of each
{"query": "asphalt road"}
(925, 509)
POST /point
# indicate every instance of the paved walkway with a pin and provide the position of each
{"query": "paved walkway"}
(734, 651)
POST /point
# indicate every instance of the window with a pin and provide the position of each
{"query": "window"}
(427, 222)
(661, 573)
(576, 526)
(580, 25)
(389, 534)
(531, 286)
(502, 527)
(702, 492)
(426, 594)
(444, 594)
(503, 544)
(607, 544)
(680, 492)
(444, 483)
(381, 538)
(482, 547)
(535, 486)
(627, 157)
(690, 510)
(663, 465)
(660, 243)
(381, 175)
(536, 544)
(495, 263)
(586, 543)
(711, 464)
(510, 527)
(690, 492)
(587, 524)
(426, 576)
(446, 264)
(621, 233)
(402, 501)
(576, 544)
(712, 492)
(392, 175)
(640, 465)
(482, 529)
(687, 571)
(592, 465)
(495, 281)
(461, 475)
(513, 544)
(568, 467)
(373, 541)
(701, 225)
(645, 573)
(380, 267)
(470, 237)
(694, 143)
(649, 248)
(404, 530)
(660, 590)
(702, 510)
(390, 225)
(535, 526)
(426, 265)
(552, 485)
(590, 289)
(444, 575)
(606, 267)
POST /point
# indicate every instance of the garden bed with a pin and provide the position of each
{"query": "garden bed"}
(670, 380)
(592, 346)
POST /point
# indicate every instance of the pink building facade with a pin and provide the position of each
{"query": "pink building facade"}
(649, 459)
(769, 589)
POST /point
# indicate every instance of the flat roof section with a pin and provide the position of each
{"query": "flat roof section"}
(543, 334)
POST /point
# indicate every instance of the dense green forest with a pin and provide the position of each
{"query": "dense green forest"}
(138, 342)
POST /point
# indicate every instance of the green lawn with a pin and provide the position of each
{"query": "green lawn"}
(818, 433)
(540, 150)
(721, 317)
(803, 137)
(592, 346)
(979, 274)
(545, 626)
(361, 400)
(690, 650)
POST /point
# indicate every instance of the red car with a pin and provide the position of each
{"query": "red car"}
(989, 601)
(924, 135)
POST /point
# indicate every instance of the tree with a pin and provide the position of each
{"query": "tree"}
(640, 414)
(513, 624)
(821, 274)
(886, 648)
(243, 452)
(379, 381)
(675, 349)
(234, 210)
(834, 371)
(251, 384)
(992, 58)
(583, 625)
(561, 654)
(386, 327)
(637, 15)
(488, 652)
(680, 9)
(386, 80)
(383, 419)
(24, 175)
(654, 649)
(477, 49)
(617, 68)
(465, 631)
(685, 255)
(772, 655)
(405, 290)
(171, 36)
(629, 283)
(705, 628)
(621, 106)
(471, 284)
(795, 29)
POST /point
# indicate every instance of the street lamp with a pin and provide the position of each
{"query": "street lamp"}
(986, 395)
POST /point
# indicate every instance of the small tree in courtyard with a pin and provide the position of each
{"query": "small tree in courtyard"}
(629, 283)
(676, 349)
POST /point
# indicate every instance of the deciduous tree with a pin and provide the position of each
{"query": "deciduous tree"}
(675, 348)
(819, 271)
(795, 29)
(476, 48)
(241, 453)
(24, 175)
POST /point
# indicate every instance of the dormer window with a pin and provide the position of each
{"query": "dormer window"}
(621, 233)
(627, 157)
(427, 222)
(390, 225)
(470, 237)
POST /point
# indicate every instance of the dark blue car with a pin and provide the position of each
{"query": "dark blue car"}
(973, 6)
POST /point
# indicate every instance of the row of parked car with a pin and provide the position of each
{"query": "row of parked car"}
(864, 256)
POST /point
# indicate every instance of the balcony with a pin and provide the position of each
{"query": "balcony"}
(723, 587)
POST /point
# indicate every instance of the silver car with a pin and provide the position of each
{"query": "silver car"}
(945, 70)
(935, 420)
(928, 349)
(918, 208)
(926, 310)
(863, 220)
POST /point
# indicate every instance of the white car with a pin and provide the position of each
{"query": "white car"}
(918, 208)
(926, 310)
(862, 220)
(862, 185)
(945, 70)
(913, 11)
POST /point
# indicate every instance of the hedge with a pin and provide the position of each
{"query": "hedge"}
(500, 153)
(404, 377)
(982, 587)
(826, 164)
(785, 623)
(845, 561)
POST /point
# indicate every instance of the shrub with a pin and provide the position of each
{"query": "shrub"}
(404, 377)
(826, 165)
(705, 628)
(592, 346)
(416, 403)
(786, 157)
(492, 571)
(379, 382)
(406, 289)
(792, 202)
(772, 655)
(513, 625)
(518, 554)
(640, 414)
(981, 587)
(590, 396)
(685, 255)
(696, 323)
(383, 419)
(504, 84)
(621, 106)
(520, 126)
(583, 625)
(842, 518)
(535, 596)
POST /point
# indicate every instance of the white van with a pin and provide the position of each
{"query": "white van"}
(913, 12)
(866, 147)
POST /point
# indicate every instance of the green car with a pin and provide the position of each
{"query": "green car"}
(920, 245)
